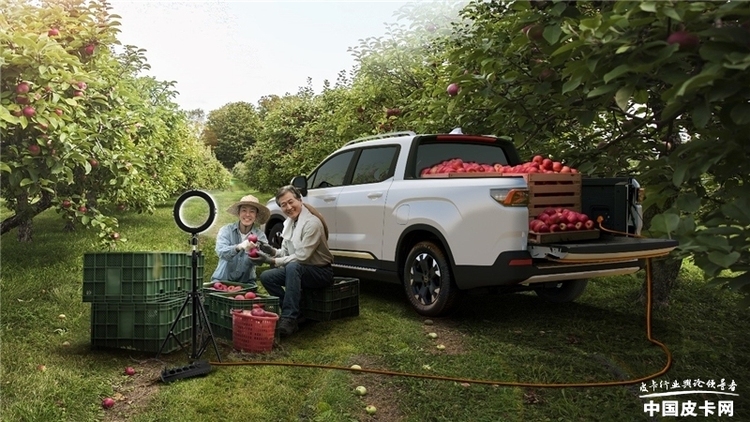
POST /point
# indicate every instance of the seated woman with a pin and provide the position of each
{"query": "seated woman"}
(233, 245)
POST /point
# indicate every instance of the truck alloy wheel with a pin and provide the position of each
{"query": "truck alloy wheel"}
(427, 280)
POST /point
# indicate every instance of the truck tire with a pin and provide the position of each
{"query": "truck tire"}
(274, 235)
(428, 283)
(561, 292)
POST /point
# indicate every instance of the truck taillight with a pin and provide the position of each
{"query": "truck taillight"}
(511, 197)
(641, 196)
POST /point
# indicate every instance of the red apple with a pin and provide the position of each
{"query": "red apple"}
(547, 164)
(115, 236)
(89, 49)
(572, 217)
(533, 32)
(453, 89)
(557, 166)
(537, 159)
(550, 211)
(589, 224)
(94, 163)
(392, 112)
(554, 228)
(578, 225)
(66, 203)
(22, 88)
(239, 297)
(583, 218)
(29, 111)
(121, 207)
(563, 227)
(253, 253)
(34, 149)
(108, 402)
(542, 228)
(565, 169)
(78, 94)
(58, 112)
(130, 371)
(684, 39)
(53, 32)
(250, 295)
(253, 238)
(82, 209)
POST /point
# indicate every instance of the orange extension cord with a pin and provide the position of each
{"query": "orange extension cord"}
(663, 371)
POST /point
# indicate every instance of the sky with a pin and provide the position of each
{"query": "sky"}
(223, 52)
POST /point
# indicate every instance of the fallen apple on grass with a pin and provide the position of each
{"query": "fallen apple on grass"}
(108, 403)
(440, 347)
(130, 371)
(361, 391)
(432, 335)
(370, 409)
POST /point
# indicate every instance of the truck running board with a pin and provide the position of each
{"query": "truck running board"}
(604, 249)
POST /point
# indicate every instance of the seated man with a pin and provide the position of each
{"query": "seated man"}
(232, 242)
(303, 262)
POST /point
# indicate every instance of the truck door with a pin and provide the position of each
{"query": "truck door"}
(361, 204)
(325, 185)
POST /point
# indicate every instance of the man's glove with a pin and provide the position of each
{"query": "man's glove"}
(261, 259)
(246, 245)
(266, 248)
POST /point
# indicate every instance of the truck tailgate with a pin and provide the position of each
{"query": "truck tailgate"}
(604, 249)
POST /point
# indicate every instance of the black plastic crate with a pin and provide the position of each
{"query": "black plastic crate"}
(140, 326)
(337, 301)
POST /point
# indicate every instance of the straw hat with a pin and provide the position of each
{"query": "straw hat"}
(263, 212)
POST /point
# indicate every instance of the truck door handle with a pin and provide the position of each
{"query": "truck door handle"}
(374, 195)
(329, 198)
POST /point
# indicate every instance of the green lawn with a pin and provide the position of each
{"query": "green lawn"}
(512, 338)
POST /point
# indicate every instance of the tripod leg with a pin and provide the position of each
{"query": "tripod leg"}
(171, 328)
(204, 320)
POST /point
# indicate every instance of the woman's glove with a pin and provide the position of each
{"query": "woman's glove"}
(246, 245)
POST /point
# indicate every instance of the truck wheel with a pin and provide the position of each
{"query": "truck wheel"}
(274, 235)
(561, 292)
(427, 280)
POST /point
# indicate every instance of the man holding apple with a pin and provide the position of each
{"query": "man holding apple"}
(235, 240)
(303, 261)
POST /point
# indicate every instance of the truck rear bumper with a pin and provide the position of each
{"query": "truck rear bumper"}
(503, 273)
(603, 257)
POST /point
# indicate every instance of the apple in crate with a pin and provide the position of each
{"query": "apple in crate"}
(239, 297)
(250, 295)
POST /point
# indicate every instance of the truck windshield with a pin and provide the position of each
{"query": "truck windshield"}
(431, 153)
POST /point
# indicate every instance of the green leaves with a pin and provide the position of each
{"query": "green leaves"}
(665, 223)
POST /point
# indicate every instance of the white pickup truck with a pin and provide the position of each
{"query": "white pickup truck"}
(440, 237)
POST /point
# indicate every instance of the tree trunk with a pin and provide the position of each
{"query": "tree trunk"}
(664, 274)
(23, 216)
(25, 231)
(664, 271)
(69, 226)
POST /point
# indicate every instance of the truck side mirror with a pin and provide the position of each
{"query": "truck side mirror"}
(300, 182)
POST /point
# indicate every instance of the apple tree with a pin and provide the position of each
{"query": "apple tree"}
(231, 131)
(80, 131)
(656, 89)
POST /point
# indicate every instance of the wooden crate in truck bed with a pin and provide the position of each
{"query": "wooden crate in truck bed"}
(556, 190)
(559, 237)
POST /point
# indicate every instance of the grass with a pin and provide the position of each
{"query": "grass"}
(513, 338)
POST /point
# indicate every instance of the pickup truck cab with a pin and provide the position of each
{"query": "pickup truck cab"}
(440, 237)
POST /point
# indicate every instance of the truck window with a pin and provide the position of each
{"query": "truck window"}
(375, 165)
(332, 172)
(431, 153)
